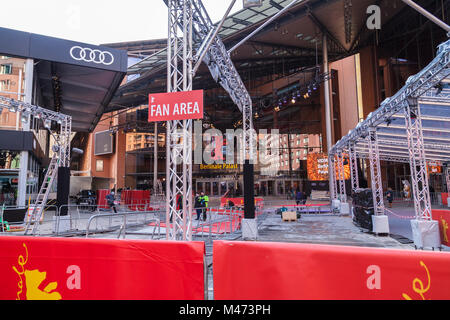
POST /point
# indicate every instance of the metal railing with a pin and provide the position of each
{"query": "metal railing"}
(124, 224)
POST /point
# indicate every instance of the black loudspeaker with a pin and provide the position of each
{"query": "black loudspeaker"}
(249, 191)
(62, 194)
(363, 208)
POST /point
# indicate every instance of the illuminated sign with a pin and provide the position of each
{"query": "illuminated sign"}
(317, 165)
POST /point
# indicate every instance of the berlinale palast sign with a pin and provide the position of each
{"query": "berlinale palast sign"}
(181, 105)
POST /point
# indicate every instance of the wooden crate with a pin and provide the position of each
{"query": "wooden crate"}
(289, 216)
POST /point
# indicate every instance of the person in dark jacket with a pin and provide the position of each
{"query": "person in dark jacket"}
(299, 197)
(390, 196)
(110, 201)
(198, 205)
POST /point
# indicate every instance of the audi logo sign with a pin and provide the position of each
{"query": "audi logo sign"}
(91, 55)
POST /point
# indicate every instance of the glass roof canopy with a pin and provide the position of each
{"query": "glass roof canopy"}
(431, 87)
(232, 24)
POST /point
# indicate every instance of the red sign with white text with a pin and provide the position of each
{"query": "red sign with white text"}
(39, 268)
(181, 105)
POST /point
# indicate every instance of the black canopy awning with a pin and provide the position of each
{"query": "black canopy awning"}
(73, 78)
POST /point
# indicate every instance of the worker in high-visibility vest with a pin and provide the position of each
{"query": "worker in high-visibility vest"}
(204, 199)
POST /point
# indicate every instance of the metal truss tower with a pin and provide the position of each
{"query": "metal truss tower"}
(353, 166)
(375, 172)
(341, 176)
(417, 160)
(191, 30)
(179, 133)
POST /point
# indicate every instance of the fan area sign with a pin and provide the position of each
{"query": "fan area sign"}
(182, 105)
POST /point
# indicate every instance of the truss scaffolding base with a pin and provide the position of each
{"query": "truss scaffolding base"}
(426, 234)
(380, 224)
(249, 229)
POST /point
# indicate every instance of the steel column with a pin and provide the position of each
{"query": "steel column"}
(375, 172)
(328, 122)
(417, 160)
(23, 167)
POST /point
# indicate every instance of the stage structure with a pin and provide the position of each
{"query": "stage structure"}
(412, 127)
(61, 158)
(192, 40)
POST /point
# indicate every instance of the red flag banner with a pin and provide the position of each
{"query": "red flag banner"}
(291, 271)
(102, 269)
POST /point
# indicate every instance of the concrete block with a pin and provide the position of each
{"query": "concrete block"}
(380, 224)
(249, 229)
(345, 208)
(335, 205)
(426, 233)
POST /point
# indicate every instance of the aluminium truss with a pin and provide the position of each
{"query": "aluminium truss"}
(353, 167)
(179, 132)
(62, 137)
(197, 30)
(341, 176)
(412, 126)
(375, 172)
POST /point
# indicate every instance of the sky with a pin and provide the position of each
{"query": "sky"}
(98, 21)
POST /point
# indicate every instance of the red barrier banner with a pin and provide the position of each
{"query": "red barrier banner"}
(290, 271)
(444, 197)
(100, 269)
(443, 217)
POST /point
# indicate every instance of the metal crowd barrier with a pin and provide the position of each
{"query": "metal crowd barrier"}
(124, 223)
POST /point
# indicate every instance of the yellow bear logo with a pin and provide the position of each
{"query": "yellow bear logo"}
(33, 280)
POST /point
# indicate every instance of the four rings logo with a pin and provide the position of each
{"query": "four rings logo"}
(91, 55)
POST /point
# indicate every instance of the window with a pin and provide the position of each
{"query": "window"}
(5, 85)
(6, 69)
(99, 165)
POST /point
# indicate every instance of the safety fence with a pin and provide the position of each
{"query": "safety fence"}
(100, 269)
(288, 271)
(78, 219)
(110, 269)
(304, 208)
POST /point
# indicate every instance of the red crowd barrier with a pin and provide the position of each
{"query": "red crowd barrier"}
(443, 217)
(444, 197)
(259, 203)
(288, 271)
(104, 269)
(135, 199)
(101, 198)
